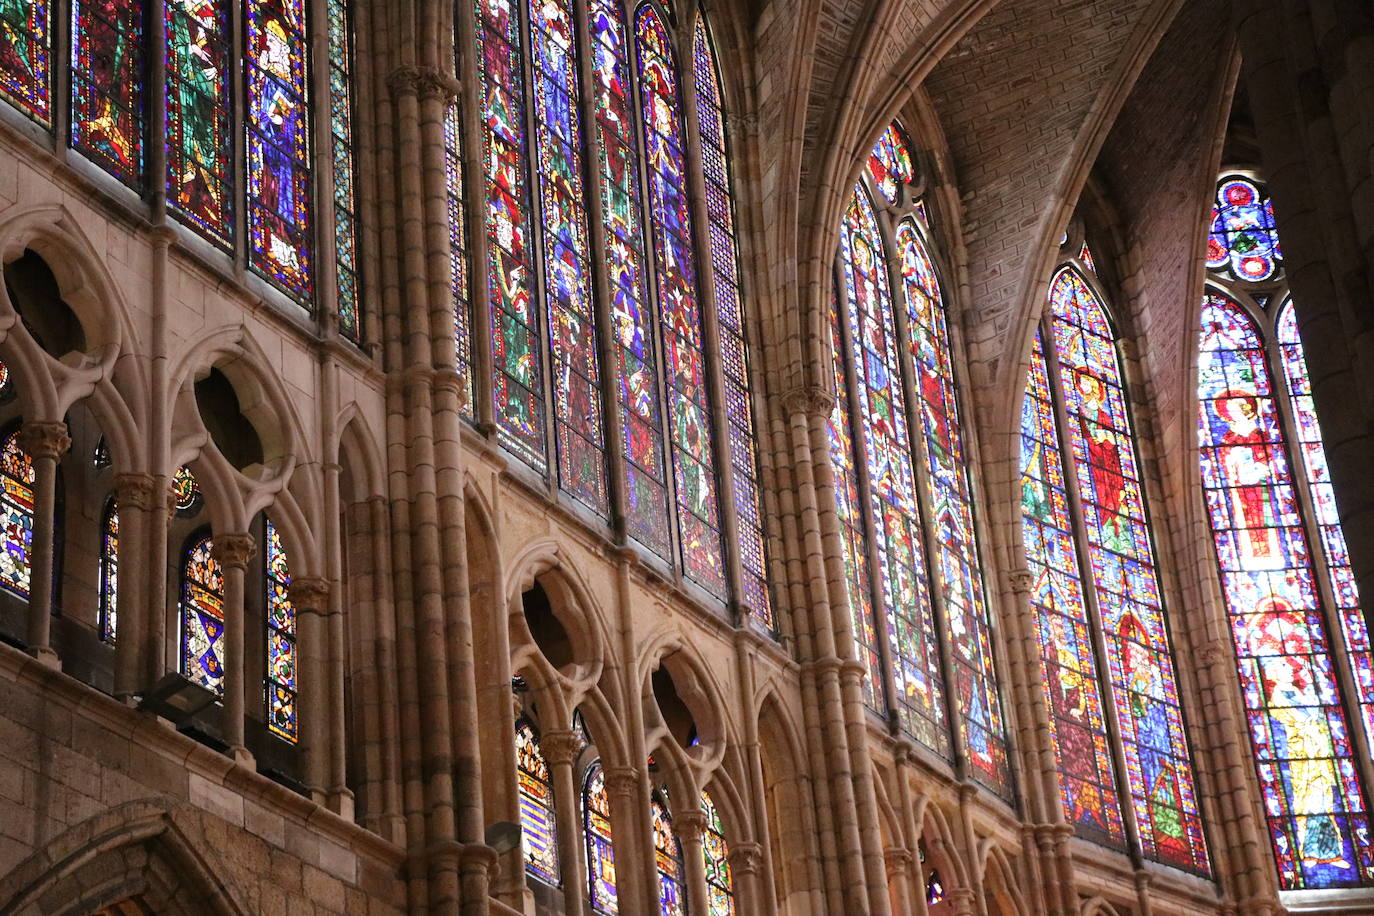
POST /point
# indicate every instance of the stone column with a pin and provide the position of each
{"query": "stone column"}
(690, 827)
(898, 862)
(560, 750)
(310, 597)
(634, 860)
(233, 551)
(45, 443)
(749, 879)
(141, 500)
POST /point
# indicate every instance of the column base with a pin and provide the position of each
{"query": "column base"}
(47, 658)
(242, 756)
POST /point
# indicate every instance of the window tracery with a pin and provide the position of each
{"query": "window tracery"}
(1300, 636)
(903, 494)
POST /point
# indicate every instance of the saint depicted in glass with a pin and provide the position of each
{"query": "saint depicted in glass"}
(596, 825)
(538, 832)
(25, 52)
(889, 165)
(672, 888)
(199, 116)
(107, 85)
(1242, 241)
(16, 504)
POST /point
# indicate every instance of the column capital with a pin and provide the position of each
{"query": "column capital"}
(897, 860)
(423, 82)
(560, 747)
(309, 594)
(45, 438)
(234, 549)
(809, 400)
(689, 825)
(746, 858)
(138, 491)
(1019, 580)
(622, 781)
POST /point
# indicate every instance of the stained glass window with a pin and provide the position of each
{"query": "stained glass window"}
(850, 512)
(109, 570)
(567, 272)
(17, 474)
(596, 812)
(1316, 808)
(1243, 242)
(25, 52)
(640, 394)
(950, 493)
(340, 14)
(199, 116)
(734, 355)
(458, 251)
(202, 615)
(107, 85)
(519, 381)
(278, 144)
(280, 685)
(720, 890)
(879, 403)
(539, 835)
(672, 887)
(889, 165)
(679, 310)
(1124, 577)
(1068, 659)
(1086, 256)
(185, 492)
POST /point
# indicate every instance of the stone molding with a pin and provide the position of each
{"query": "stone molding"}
(809, 401)
(139, 491)
(45, 439)
(234, 550)
(423, 82)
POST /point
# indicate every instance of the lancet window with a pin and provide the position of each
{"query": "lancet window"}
(904, 495)
(202, 614)
(1117, 729)
(538, 831)
(116, 55)
(1299, 633)
(596, 826)
(109, 570)
(280, 684)
(672, 878)
(720, 888)
(17, 474)
(595, 244)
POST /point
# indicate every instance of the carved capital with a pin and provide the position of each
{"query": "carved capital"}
(742, 123)
(897, 860)
(138, 491)
(809, 401)
(45, 439)
(423, 82)
(852, 671)
(746, 858)
(234, 550)
(1019, 581)
(1212, 652)
(309, 594)
(622, 782)
(559, 747)
(689, 825)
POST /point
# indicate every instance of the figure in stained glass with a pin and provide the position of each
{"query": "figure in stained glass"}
(596, 810)
(17, 475)
(25, 50)
(889, 165)
(1243, 241)
(107, 85)
(280, 684)
(538, 833)
(672, 889)
(199, 144)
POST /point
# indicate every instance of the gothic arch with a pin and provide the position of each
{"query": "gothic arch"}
(789, 822)
(698, 689)
(548, 563)
(142, 849)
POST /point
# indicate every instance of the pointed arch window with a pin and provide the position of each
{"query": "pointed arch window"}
(202, 614)
(537, 820)
(903, 491)
(672, 877)
(107, 79)
(17, 475)
(720, 888)
(687, 467)
(1301, 640)
(280, 684)
(596, 826)
(1113, 634)
(109, 570)
(200, 116)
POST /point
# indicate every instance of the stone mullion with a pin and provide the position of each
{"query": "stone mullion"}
(339, 796)
(233, 551)
(752, 886)
(45, 442)
(761, 891)
(916, 440)
(138, 498)
(1078, 519)
(310, 597)
(155, 142)
(560, 750)
(690, 826)
(602, 288)
(842, 718)
(710, 322)
(899, 859)
(326, 299)
(390, 681)
(238, 135)
(634, 861)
